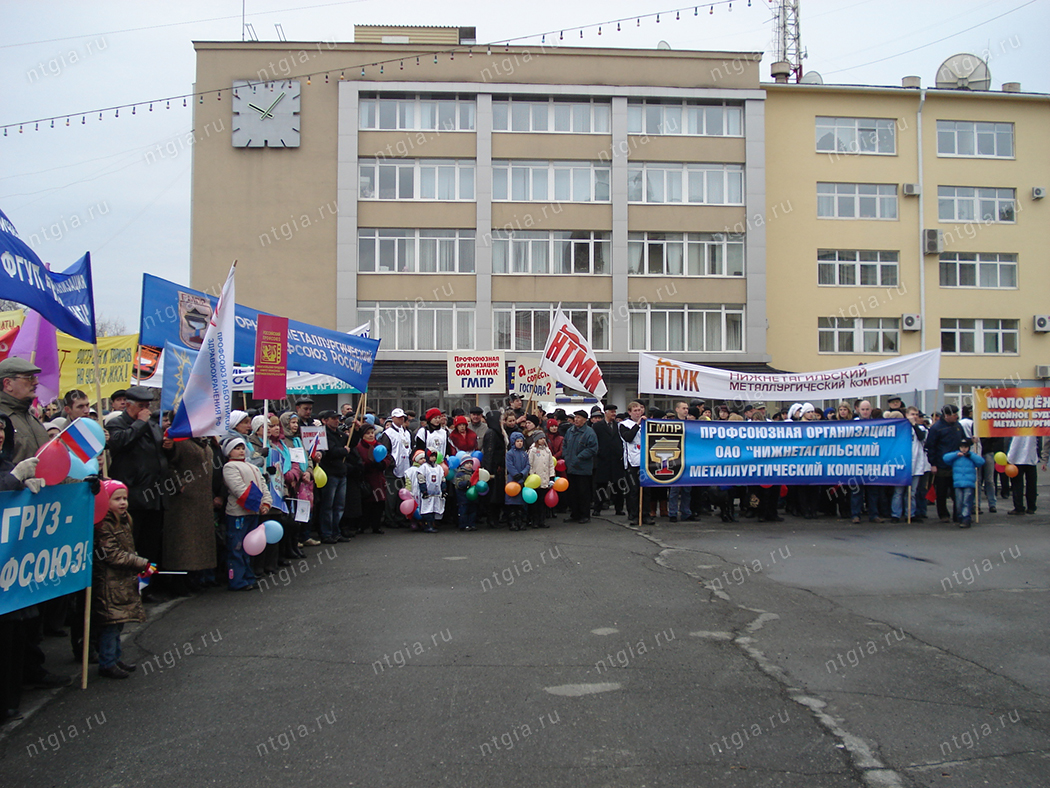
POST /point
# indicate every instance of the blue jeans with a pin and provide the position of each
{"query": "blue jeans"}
(857, 497)
(467, 511)
(239, 562)
(109, 652)
(897, 504)
(964, 504)
(678, 499)
(987, 472)
(333, 498)
(918, 495)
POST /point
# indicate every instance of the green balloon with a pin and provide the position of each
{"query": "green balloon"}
(529, 495)
(472, 494)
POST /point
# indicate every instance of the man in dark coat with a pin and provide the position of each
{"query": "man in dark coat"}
(608, 466)
(944, 437)
(579, 449)
(333, 494)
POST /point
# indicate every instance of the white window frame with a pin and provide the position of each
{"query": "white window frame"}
(551, 181)
(420, 173)
(551, 253)
(975, 135)
(1002, 332)
(883, 332)
(410, 112)
(856, 136)
(400, 324)
(654, 183)
(551, 115)
(837, 196)
(404, 250)
(985, 204)
(684, 118)
(710, 255)
(691, 321)
(854, 268)
(587, 318)
(978, 270)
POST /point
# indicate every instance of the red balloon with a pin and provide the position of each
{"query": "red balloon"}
(54, 463)
(551, 498)
(783, 491)
(559, 466)
(766, 486)
(101, 506)
(1000, 468)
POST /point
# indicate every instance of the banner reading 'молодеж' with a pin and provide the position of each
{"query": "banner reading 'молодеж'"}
(699, 453)
(1003, 413)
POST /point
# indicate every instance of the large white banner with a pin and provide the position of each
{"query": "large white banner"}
(916, 372)
(569, 359)
(477, 373)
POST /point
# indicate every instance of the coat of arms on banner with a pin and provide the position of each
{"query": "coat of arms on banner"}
(194, 314)
(664, 450)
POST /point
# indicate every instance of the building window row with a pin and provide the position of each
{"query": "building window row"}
(689, 254)
(523, 326)
(655, 116)
(857, 135)
(415, 251)
(863, 267)
(694, 184)
(858, 334)
(420, 326)
(857, 200)
(969, 203)
(574, 116)
(979, 336)
(699, 328)
(554, 252)
(974, 139)
(416, 179)
(543, 181)
(978, 269)
(422, 112)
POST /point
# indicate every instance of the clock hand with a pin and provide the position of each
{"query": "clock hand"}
(268, 114)
(260, 110)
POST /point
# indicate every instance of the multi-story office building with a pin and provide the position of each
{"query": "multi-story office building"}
(454, 195)
(917, 220)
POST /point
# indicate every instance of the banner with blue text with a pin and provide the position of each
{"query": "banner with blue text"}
(699, 453)
(46, 541)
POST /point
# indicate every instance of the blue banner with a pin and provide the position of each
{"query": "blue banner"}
(65, 300)
(46, 542)
(180, 315)
(729, 453)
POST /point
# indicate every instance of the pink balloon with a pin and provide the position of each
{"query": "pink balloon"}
(551, 498)
(254, 541)
(404, 494)
(54, 463)
(101, 506)
(407, 507)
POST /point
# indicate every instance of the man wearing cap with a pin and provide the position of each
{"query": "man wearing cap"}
(139, 458)
(18, 379)
(304, 409)
(398, 442)
(943, 438)
(579, 448)
(608, 465)
(477, 423)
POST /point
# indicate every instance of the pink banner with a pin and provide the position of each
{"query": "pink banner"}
(271, 358)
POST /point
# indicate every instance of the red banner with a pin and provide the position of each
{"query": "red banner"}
(271, 358)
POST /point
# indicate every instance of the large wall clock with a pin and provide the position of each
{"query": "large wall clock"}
(266, 114)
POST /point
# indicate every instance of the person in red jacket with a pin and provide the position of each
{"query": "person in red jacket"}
(462, 437)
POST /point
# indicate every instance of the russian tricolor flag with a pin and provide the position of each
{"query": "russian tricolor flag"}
(81, 441)
(252, 498)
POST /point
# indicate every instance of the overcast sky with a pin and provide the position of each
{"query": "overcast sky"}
(62, 57)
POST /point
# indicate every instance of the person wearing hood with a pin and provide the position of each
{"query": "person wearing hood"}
(517, 471)
(493, 460)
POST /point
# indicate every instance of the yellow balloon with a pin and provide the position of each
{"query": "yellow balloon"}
(533, 481)
(1001, 458)
(320, 477)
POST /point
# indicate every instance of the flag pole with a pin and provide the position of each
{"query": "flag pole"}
(87, 638)
(103, 470)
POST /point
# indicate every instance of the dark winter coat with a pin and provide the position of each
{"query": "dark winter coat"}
(115, 585)
(579, 450)
(28, 434)
(138, 460)
(942, 439)
(608, 466)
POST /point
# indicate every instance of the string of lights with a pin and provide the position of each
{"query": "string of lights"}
(553, 38)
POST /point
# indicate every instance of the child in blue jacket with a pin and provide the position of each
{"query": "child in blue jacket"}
(964, 466)
(517, 470)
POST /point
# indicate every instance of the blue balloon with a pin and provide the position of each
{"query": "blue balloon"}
(477, 455)
(81, 470)
(453, 462)
(528, 495)
(379, 452)
(274, 531)
(481, 486)
(462, 454)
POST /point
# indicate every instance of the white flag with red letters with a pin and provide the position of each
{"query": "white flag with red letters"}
(569, 359)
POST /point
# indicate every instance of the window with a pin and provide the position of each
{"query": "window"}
(416, 179)
(857, 200)
(857, 267)
(577, 116)
(858, 335)
(417, 112)
(857, 135)
(968, 204)
(653, 116)
(980, 140)
(542, 181)
(697, 328)
(527, 326)
(695, 184)
(978, 336)
(558, 252)
(421, 325)
(978, 269)
(415, 251)
(692, 254)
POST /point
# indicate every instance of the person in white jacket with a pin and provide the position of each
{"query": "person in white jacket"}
(1025, 453)
(920, 466)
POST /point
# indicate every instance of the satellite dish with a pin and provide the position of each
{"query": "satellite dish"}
(812, 78)
(964, 72)
(663, 45)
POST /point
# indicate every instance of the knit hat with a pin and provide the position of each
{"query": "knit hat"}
(516, 436)
(433, 413)
(418, 456)
(231, 444)
(459, 420)
(257, 422)
(110, 486)
(236, 417)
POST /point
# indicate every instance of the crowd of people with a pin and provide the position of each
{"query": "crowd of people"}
(187, 506)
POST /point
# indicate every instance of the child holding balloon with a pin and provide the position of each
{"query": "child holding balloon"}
(541, 465)
(249, 497)
(517, 471)
(463, 482)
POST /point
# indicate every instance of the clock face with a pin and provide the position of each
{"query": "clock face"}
(265, 114)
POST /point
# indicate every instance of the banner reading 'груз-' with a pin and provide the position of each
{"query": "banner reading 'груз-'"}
(709, 453)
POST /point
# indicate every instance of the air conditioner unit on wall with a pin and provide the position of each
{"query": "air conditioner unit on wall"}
(911, 322)
(1042, 371)
(932, 242)
(910, 189)
(1038, 192)
(1041, 324)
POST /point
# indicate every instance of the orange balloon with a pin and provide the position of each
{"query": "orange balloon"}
(513, 489)
(561, 484)
(1011, 471)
